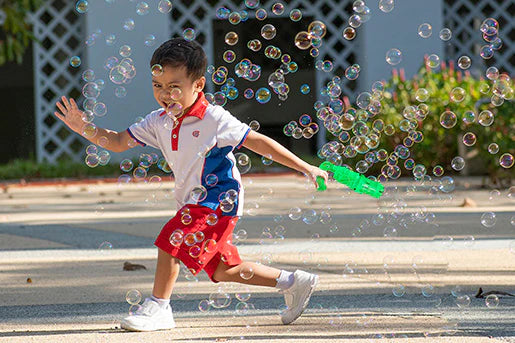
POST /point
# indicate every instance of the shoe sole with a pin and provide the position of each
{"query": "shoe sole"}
(131, 328)
(314, 283)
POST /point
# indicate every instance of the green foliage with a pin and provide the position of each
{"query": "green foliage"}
(15, 32)
(31, 170)
(440, 145)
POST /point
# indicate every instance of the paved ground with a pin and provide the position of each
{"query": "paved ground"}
(434, 261)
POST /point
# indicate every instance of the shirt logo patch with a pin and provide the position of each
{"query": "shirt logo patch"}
(196, 133)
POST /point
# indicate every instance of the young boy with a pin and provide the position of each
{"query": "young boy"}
(197, 140)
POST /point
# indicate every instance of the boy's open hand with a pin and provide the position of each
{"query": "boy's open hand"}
(314, 171)
(70, 114)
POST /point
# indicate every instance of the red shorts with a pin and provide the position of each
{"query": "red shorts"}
(200, 237)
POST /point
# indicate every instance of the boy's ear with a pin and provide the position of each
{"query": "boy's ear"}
(200, 83)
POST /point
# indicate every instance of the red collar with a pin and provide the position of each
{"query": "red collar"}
(198, 109)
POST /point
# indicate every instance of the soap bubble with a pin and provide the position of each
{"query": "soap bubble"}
(349, 33)
(463, 301)
(164, 6)
(105, 246)
(219, 299)
(386, 5)
(252, 4)
(204, 305)
(82, 6)
(277, 8)
(295, 14)
(352, 72)
(126, 165)
(133, 296)
(189, 34)
(242, 162)
(485, 118)
(469, 139)
(399, 290)
(129, 24)
(295, 213)
(75, 61)
(445, 34)
(263, 95)
(433, 61)
(489, 26)
(393, 56)
(448, 119)
(246, 272)
(486, 52)
(488, 219)
(231, 38)
(492, 301)
(447, 184)
(506, 160)
(268, 31)
(303, 40)
(425, 30)
(150, 40)
(458, 163)
(492, 73)
(457, 94)
(493, 148)
(469, 117)
(142, 8)
(464, 62)
(198, 194)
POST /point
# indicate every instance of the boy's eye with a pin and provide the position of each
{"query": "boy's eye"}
(156, 85)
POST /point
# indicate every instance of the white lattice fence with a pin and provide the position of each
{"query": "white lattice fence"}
(59, 29)
(464, 17)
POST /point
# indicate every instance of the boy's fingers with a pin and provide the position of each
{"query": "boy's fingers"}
(59, 116)
(66, 103)
(74, 104)
(61, 107)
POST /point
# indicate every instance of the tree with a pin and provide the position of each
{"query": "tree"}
(15, 30)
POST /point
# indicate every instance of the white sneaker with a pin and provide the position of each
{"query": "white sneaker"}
(150, 317)
(297, 296)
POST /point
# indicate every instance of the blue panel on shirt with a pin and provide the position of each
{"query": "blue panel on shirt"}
(219, 164)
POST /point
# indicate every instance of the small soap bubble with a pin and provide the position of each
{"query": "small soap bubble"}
(278, 8)
(463, 301)
(399, 290)
(165, 6)
(231, 38)
(386, 5)
(433, 61)
(126, 165)
(349, 33)
(469, 139)
(393, 56)
(105, 245)
(425, 30)
(488, 219)
(75, 61)
(445, 34)
(295, 14)
(486, 52)
(82, 6)
(189, 34)
(246, 272)
(492, 301)
(506, 160)
(133, 296)
(129, 24)
(150, 40)
(142, 8)
(464, 62)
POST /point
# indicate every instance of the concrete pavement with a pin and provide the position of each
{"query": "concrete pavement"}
(412, 286)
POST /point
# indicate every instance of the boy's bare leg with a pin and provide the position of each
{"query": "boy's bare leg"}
(167, 270)
(263, 275)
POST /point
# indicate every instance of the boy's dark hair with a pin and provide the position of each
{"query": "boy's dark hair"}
(179, 52)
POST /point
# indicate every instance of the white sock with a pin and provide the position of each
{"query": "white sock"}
(161, 302)
(285, 280)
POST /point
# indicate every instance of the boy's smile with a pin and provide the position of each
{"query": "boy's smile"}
(175, 86)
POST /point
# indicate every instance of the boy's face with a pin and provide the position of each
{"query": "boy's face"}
(175, 91)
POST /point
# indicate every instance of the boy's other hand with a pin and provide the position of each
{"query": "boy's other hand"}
(314, 171)
(70, 114)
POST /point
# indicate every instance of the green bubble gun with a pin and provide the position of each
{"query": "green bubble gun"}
(355, 181)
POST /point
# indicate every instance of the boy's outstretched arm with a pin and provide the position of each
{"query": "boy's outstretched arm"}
(269, 148)
(72, 117)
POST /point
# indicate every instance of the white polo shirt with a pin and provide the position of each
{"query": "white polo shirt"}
(199, 147)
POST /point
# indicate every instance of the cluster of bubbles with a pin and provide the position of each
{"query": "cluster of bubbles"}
(96, 157)
(140, 169)
(490, 31)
